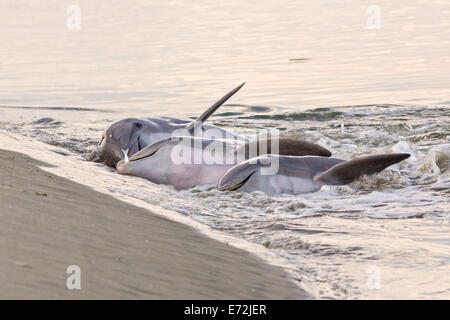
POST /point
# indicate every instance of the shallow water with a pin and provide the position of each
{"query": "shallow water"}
(313, 71)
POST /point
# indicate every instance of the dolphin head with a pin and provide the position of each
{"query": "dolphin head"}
(121, 135)
(132, 135)
(245, 175)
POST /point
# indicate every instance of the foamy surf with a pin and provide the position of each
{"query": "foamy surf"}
(395, 222)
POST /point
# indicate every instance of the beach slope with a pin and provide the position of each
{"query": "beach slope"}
(124, 252)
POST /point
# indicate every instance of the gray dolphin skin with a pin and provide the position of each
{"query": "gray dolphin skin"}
(298, 175)
(287, 146)
(185, 162)
(133, 134)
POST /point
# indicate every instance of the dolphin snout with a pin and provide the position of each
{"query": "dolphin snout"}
(122, 167)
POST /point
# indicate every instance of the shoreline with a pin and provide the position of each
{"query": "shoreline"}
(124, 251)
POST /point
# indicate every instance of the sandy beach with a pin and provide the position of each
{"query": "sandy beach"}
(124, 252)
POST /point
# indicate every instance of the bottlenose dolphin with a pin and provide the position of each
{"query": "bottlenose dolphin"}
(302, 174)
(185, 162)
(133, 134)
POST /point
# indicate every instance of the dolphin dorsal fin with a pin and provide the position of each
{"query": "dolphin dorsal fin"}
(205, 115)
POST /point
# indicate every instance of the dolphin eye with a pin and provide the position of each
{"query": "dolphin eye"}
(138, 125)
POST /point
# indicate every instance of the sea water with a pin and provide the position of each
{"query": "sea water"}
(356, 78)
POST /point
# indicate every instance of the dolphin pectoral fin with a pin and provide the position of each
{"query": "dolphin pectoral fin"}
(146, 152)
(205, 115)
(154, 147)
(349, 171)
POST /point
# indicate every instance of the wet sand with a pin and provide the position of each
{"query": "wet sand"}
(124, 252)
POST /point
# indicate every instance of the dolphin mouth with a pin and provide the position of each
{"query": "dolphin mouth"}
(239, 185)
(125, 156)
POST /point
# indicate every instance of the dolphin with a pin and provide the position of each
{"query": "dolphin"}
(133, 134)
(298, 175)
(183, 162)
(187, 161)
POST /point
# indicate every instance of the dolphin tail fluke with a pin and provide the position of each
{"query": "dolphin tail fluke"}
(349, 171)
(205, 115)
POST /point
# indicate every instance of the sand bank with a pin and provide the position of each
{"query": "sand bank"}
(123, 251)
